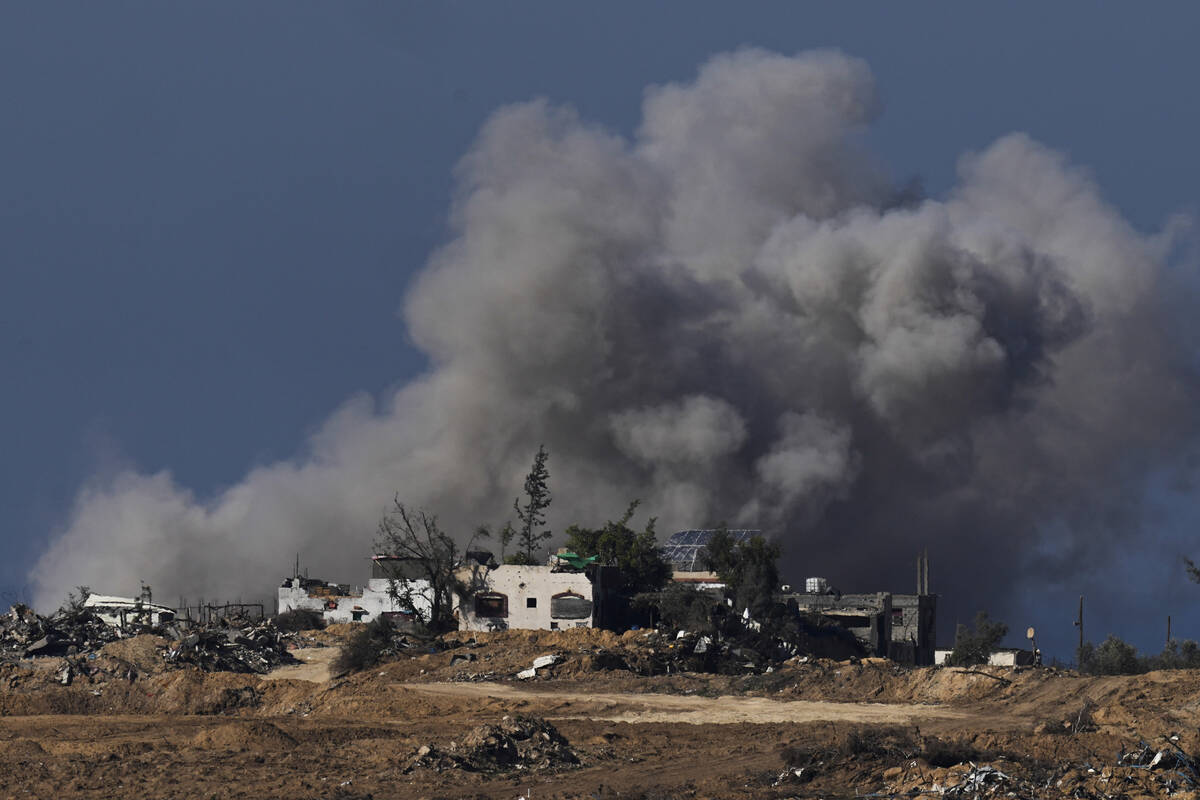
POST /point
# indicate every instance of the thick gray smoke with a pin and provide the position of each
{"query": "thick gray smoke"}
(734, 316)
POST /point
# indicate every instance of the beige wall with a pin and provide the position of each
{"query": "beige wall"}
(521, 584)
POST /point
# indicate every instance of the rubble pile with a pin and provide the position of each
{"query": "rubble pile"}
(24, 633)
(227, 644)
(1174, 768)
(1144, 771)
(658, 653)
(645, 653)
(516, 743)
(258, 647)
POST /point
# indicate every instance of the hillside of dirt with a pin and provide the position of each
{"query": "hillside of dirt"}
(451, 719)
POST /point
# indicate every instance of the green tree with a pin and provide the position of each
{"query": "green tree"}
(1175, 655)
(680, 607)
(749, 569)
(975, 646)
(532, 513)
(636, 553)
(1111, 657)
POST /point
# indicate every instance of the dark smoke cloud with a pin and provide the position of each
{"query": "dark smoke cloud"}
(731, 318)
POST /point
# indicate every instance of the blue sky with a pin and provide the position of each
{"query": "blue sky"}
(209, 214)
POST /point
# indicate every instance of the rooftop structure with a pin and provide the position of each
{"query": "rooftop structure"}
(683, 549)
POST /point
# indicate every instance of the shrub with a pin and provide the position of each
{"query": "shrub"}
(879, 741)
(680, 607)
(366, 647)
(974, 647)
(300, 619)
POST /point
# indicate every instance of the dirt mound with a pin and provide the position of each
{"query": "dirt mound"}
(335, 633)
(141, 652)
(244, 735)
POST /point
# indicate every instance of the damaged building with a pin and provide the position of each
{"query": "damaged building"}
(554, 596)
(901, 627)
(896, 626)
(526, 597)
(569, 592)
(127, 613)
(339, 602)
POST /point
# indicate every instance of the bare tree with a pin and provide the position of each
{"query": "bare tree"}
(429, 554)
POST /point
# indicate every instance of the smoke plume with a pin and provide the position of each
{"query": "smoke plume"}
(735, 316)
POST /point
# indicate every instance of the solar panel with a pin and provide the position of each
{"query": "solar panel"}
(683, 548)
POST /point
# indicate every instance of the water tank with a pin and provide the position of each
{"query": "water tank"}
(816, 585)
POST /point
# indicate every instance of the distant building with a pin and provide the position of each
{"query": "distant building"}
(897, 626)
(867, 616)
(338, 602)
(1001, 657)
(497, 597)
(901, 627)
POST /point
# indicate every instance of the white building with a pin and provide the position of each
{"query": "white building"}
(1004, 657)
(498, 597)
(524, 597)
(120, 612)
(343, 603)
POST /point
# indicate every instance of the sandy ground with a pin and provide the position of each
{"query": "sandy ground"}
(316, 667)
(822, 729)
(693, 710)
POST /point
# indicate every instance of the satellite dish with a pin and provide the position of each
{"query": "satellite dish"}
(1029, 633)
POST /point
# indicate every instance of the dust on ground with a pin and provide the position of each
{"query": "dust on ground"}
(456, 722)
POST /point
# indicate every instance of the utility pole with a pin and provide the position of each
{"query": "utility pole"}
(1168, 630)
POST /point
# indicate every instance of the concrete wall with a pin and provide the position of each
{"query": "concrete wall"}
(527, 594)
(998, 658)
(914, 626)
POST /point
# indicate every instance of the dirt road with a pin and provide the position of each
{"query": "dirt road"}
(692, 709)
